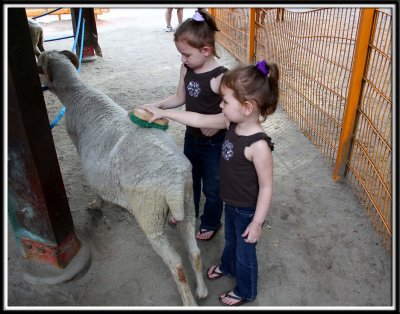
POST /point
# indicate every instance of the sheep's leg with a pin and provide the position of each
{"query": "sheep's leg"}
(97, 203)
(172, 259)
(187, 230)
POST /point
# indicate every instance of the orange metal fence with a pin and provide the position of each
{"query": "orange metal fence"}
(336, 85)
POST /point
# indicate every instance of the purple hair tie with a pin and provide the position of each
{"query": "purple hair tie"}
(198, 17)
(262, 67)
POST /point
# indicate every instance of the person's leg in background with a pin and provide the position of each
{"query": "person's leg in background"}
(179, 13)
(168, 16)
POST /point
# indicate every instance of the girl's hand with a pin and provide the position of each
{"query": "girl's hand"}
(157, 112)
(252, 233)
(208, 131)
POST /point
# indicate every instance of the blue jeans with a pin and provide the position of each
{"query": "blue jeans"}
(205, 154)
(239, 259)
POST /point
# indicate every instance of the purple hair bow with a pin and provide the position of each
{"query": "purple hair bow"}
(198, 17)
(262, 67)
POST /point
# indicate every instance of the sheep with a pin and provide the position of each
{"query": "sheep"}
(36, 31)
(140, 169)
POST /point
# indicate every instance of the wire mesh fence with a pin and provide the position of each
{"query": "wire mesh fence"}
(325, 92)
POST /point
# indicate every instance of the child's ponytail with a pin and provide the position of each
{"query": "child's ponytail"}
(273, 79)
(208, 19)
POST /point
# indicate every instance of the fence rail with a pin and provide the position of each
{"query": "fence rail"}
(34, 12)
(336, 85)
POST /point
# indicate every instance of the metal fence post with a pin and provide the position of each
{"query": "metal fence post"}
(252, 31)
(355, 89)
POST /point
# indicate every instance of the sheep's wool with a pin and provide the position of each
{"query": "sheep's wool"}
(141, 169)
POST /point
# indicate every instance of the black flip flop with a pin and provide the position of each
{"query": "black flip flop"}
(214, 232)
(218, 274)
(234, 297)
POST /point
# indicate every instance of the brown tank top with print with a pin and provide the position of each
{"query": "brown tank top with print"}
(239, 181)
(200, 97)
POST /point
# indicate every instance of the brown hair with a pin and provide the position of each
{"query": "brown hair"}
(198, 33)
(250, 84)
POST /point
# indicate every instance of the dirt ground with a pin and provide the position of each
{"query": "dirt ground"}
(318, 247)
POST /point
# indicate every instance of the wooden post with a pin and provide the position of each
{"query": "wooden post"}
(252, 31)
(38, 208)
(90, 42)
(355, 89)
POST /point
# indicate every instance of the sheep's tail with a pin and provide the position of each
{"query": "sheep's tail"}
(176, 204)
(178, 197)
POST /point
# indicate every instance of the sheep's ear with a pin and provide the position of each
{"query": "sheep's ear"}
(43, 68)
(71, 56)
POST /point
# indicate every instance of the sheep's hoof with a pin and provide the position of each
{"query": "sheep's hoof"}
(201, 293)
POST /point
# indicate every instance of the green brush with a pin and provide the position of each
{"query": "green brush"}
(141, 117)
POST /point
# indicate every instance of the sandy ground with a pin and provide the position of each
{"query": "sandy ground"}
(318, 246)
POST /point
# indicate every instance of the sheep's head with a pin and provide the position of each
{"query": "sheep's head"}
(47, 57)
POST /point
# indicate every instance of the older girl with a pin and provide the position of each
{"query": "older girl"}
(198, 88)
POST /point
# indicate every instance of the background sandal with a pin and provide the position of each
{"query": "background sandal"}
(215, 273)
(202, 231)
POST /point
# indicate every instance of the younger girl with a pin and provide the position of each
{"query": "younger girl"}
(248, 92)
(198, 88)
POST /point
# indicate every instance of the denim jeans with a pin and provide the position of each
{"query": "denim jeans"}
(205, 154)
(239, 259)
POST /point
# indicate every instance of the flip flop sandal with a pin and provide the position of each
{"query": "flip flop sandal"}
(214, 232)
(217, 273)
(233, 297)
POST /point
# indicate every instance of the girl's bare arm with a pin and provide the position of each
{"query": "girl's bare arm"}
(189, 118)
(261, 155)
